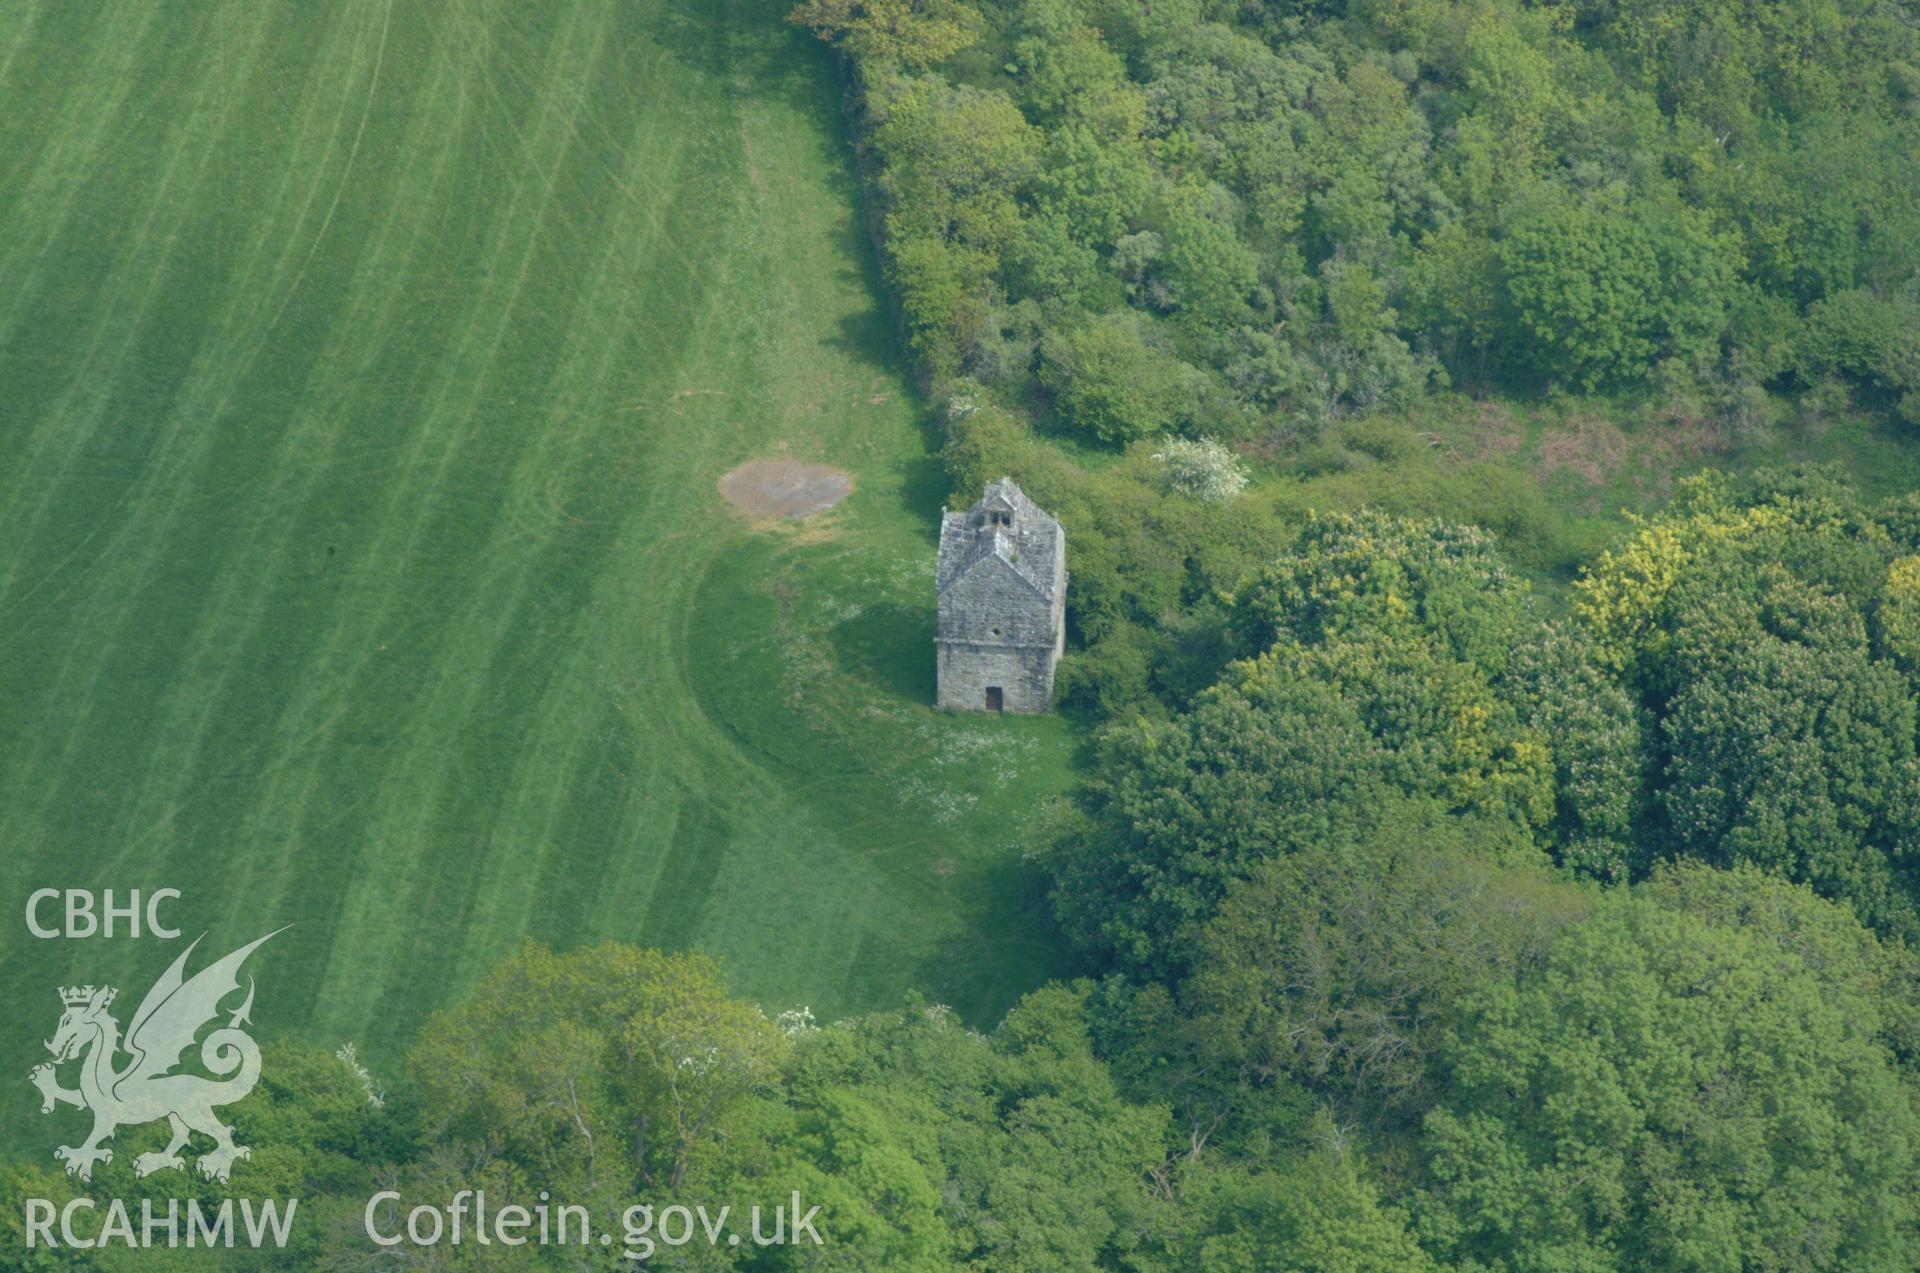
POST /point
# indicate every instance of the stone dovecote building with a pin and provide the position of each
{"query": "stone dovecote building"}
(1002, 583)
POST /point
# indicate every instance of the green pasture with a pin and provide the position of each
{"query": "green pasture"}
(366, 371)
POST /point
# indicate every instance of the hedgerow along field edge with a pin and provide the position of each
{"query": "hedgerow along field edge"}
(369, 369)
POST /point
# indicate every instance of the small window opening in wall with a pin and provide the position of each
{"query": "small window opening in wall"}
(995, 699)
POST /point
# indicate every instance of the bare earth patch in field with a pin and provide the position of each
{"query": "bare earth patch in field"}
(784, 488)
(1488, 431)
(1597, 452)
(1590, 446)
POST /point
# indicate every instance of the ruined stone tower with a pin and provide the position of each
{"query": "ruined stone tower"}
(1002, 583)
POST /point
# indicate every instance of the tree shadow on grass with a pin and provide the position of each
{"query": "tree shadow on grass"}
(873, 336)
(923, 492)
(870, 334)
(752, 51)
(1007, 946)
(890, 646)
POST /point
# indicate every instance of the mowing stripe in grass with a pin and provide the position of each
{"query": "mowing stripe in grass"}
(366, 568)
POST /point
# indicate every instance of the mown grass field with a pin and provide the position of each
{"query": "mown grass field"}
(366, 371)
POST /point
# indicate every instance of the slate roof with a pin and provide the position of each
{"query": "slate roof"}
(1031, 545)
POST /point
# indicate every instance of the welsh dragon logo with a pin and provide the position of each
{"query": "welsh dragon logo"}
(144, 1089)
